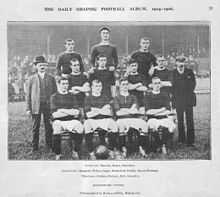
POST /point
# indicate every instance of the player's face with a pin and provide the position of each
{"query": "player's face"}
(96, 87)
(41, 67)
(156, 84)
(124, 86)
(70, 45)
(134, 67)
(102, 62)
(144, 44)
(180, 67)
(105, 36)
(63, 86)
(75, 66)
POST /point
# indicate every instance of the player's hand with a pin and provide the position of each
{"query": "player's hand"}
(111, 68)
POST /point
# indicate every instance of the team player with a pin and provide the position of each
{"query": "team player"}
(63, 61)
(129, 120)
(146, 60)
(99, 117)
(78, 82)
(137, 83)
(157, 107)
(164, 74)
(104, 75)
(65, 112)
(106, 48)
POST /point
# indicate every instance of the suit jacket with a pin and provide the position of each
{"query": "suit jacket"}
(183, 86)
(33, 92)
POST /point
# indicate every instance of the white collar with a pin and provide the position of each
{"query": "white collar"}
(104, 43)
(41, 74)
(124, 94)
(155, 92)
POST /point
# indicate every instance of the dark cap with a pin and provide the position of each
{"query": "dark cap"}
(104, 28)
(39, 59)
(131, 61)
(180, 59)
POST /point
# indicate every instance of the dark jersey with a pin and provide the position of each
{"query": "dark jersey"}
(78, 80)
(96, 102)
(145, 60)
(107, 78)
(108, 50)
(124, 102)
(133, 79)
(63, 62)
(164, 75)
(156, 101)
(63, 101)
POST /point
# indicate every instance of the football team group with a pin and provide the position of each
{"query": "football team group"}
(106, 115)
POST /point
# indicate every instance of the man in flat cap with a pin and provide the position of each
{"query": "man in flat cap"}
(40, 87)
(105, 48)
(184, 99)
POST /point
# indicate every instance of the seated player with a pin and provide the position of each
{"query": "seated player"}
(99, 118)
(105, 76)
(164, 74)
(79, 84)
(137, 83)
(129, 121)
(158, 110)
(65, 114)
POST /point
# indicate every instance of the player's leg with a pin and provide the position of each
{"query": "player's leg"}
(181, 129)
(48, 126)
(190, 126)
(35, 130)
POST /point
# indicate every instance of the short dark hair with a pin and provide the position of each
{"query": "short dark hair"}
(155, 78)
(95, 81)
(145, 38)
(123, 79)
(131, 61)
(100, 56)
(74, 60)
(60, 78)
(104, 28)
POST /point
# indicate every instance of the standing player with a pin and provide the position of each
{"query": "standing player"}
(78, 82)
(184, 99)
(136, 82)
(129, 120)
(145, 59)
(106, 48)
(65, 113)
(105, 76)
(63, 62)
(99, 116)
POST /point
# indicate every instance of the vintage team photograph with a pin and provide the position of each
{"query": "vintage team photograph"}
(109, 91)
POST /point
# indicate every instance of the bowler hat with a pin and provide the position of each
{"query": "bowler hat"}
(39, 59)
(180, 59)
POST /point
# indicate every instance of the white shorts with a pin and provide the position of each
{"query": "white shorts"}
(107, 124)
(154, 124)
(74, 126)
(125, 123)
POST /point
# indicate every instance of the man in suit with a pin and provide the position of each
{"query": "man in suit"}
(40, 87)
(184, 99)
